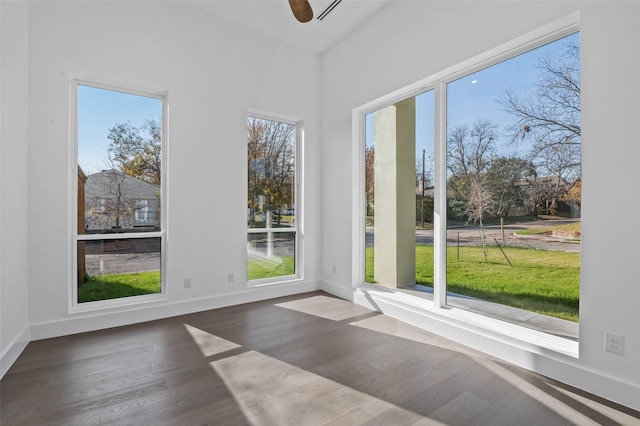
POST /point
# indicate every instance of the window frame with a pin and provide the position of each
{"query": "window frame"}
(74, 306)
(297, 229)
(548, 33)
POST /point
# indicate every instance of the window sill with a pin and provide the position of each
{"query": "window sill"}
(284, 279)
(422, 313)
(122, 302)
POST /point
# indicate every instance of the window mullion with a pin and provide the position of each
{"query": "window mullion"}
(440, 197)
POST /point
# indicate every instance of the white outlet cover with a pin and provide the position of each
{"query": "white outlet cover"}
(613, 343)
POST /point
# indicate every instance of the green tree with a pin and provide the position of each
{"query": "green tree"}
(424, 205)
(455, 209)
(137, 151)
(507, 180)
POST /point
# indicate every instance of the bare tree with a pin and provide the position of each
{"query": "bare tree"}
(369, 158)
(479, 203)
(112, 207)
(542, 193)
(271, 158)
(562, 162)
(549, 118)
(470, 151)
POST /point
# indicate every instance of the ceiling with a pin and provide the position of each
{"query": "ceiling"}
(273, 18)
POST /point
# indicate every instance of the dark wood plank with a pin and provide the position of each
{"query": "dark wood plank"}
(309, 359)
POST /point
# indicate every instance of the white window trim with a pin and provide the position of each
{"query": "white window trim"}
(454, 316)
(73, 305)
(298, 229)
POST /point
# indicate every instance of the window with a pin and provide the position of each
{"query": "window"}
(119, 238)
(514, 165)
(272, 212)
(144, 213)
(482, 188)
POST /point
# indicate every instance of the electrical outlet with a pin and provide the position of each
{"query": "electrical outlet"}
(231, 277)
(613, 343)
(334, 269)
(187, 283)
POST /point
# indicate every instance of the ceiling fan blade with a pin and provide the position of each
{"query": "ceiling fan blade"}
(301, 10)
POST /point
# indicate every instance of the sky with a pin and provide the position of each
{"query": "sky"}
(98, 111)
(475, 96)
(469, 98)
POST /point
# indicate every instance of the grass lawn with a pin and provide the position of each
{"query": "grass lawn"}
(114, 286)
(546, 282)
(268, 268)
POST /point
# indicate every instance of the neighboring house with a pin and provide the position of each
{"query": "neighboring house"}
(114, 200)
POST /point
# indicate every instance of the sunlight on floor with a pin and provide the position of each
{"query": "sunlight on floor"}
(317, 306)
(387, 325)
(272, 392)
(208, 343)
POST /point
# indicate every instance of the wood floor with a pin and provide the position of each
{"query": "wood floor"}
(310, 359)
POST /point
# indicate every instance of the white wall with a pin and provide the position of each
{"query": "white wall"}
(409, 41)
(14, 332)
(213, 73)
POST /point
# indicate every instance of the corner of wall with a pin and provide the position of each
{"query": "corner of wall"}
(337, 290)
(13, 350)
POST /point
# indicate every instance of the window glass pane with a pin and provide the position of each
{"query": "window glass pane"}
(111, 269)
(399, 195)
(119, 184)
(120, 161)
(271, 173)
(271, 254)
(271, 198)
(513, 189)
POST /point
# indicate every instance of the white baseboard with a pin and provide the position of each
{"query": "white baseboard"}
(13, 351)
(557, 363)
(338, 290)
(81, 323)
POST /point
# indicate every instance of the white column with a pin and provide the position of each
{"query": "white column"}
(395, 195)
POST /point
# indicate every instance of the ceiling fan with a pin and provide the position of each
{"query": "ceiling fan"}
(302, 10)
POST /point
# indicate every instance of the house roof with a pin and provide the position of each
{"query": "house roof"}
(101, 185)
(111, 172)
